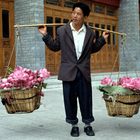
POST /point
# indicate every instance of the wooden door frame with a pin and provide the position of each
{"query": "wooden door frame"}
(7, 44)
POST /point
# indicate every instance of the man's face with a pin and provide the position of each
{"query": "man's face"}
(77, 16)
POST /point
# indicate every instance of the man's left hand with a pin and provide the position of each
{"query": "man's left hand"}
(105, 34)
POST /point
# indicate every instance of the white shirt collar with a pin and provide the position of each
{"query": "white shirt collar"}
(83, 28)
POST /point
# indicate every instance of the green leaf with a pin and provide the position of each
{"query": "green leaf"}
(9, 70)
(44, 85)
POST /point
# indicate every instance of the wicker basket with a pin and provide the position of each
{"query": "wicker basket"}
(21, 100)
(124, 105)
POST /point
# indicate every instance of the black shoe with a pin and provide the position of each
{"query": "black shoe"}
(75, 131)
(89, 131)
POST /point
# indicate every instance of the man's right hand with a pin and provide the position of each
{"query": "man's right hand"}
(42, 29)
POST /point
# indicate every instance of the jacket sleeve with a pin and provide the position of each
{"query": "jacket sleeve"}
(52, 44)
(98, 44)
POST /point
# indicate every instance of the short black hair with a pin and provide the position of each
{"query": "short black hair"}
(84, 7)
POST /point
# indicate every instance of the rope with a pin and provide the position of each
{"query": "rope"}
(13, 48)
(123, 43)
(124, 48)
(128, 53)
(9, 61)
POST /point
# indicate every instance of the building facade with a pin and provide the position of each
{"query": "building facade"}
(23, 45)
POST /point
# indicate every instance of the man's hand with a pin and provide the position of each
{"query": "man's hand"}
(105, 34)
(43, 30)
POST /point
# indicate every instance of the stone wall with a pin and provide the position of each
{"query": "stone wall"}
(30, 50)
(129, 23)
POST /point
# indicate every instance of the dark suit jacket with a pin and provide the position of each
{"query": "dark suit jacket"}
(69, 63)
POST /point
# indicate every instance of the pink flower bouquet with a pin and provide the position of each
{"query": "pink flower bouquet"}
(21, 91)
(23, 78)
(123, 86)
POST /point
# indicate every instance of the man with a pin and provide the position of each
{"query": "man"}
(77, 42)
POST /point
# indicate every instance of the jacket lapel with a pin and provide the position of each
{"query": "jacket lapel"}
(87, 36)
(69, 34)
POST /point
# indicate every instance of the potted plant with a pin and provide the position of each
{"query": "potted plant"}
(21, 89)
(121, 97)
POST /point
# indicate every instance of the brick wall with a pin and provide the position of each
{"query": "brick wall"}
(30, 50)
(129, 23)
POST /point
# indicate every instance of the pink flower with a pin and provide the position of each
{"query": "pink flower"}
(24, 78)
(106, 81)
(44, 73)
(137, 84)
(126, 82)
(4, 80)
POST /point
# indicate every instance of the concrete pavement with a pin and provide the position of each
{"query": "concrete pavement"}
(48, 122)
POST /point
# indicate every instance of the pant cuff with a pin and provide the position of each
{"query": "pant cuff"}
(72, 121)
(88, 121)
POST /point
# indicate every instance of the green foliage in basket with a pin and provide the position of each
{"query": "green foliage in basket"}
(115, 90)
(123, 86)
